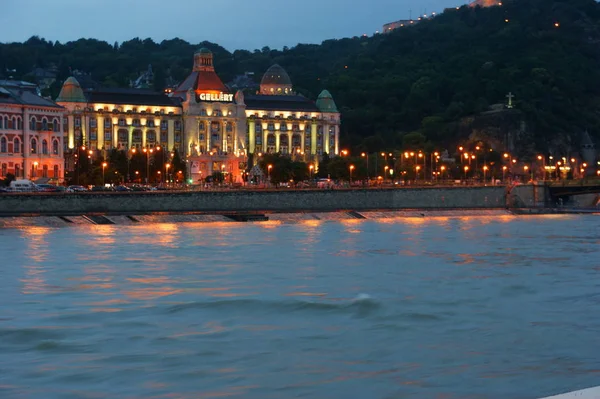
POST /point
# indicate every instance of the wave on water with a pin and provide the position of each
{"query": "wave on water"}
(362, 304)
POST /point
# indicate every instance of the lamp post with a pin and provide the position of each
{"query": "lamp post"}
(104, 165)
(543, 159)
(167, 166)
(310, 171)
(504, 173)
(442, 168)
(34, 171)
(269, 167)
(148, 152)
(351, 169)
(466, 170)
(366, 155)
(485, 169)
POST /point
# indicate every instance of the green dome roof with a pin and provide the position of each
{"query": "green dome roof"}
(71, 92)
(203, 50)
(325, 102)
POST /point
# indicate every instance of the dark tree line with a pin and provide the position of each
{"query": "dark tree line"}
(415, 83)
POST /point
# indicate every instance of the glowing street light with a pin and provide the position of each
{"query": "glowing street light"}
(167, 166)
(466, 170)
(351, 169)
(485, 169)
(269, 167)
(366, 155)
(310, 170)
(104, 165)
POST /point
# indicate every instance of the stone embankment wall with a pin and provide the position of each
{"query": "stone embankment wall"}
(254, 201)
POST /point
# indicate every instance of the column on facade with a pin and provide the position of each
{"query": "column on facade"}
(251, 136)
(171, 134)
(336, 132)
(265, 134)
(71, 131)
(26, 145)
(302, 137)
(144, 130)
(290, 144)
(84, 129)
(278, 140)
(326, 138)
(100, 130)
(61, 138)
(129, 136)
(224, 136)
(115, 137)
(313, 138)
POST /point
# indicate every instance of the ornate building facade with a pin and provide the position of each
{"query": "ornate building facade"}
(213, 127)
(31, 139)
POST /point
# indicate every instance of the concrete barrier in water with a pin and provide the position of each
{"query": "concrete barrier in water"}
(590, 393)
(253, 201)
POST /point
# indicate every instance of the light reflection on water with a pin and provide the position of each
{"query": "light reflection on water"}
(448, 307)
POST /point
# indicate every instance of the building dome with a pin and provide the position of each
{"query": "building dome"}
(276, 81)
(325, 102)
(203, 50)
(71, 92)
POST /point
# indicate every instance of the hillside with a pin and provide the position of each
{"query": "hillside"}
(423, 78)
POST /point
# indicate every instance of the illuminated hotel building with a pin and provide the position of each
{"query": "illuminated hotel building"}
(31, 139)
(119, 118)
(215, 129)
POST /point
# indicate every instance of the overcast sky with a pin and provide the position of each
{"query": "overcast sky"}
(234, 24)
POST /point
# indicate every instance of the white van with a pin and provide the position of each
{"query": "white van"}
(22, 186)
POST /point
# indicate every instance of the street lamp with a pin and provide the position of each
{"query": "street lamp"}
(167, 166)
(104, 165)
(34, 173)
(485, 169)
(503, 173)
(443, 168)
(366, 155)
(310, 170)
(148, 152)
(466, 170)
(351, 169)
(269, 167)
(525, 169)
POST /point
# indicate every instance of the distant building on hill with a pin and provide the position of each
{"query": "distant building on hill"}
(144, 81)
(485, 3)
(387, 28)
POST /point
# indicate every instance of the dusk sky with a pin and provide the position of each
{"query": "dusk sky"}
(234, 24)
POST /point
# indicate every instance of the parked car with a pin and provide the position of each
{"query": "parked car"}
(122, 188)
(76, 189)
(47, 188)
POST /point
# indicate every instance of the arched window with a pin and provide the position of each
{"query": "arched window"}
(3, 144)
(45, 171)
(55, 147)
(19, 124)
(4, 169)
(201, 126)
(55, 172)
(44, 124)
(1, 122)
(33, 146)
(32, 123)
(16, 146)
(56, 125)
(44, 147)
(6, 122)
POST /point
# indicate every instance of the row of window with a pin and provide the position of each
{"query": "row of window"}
(136, 136)
(295, 128)
(14, 147)
(44, 124)
(164, 124)
(11, 123)
(293, 116)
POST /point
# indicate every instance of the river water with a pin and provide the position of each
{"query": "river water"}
(459, 307)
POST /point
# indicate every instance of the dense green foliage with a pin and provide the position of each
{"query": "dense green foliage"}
(402, 89)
